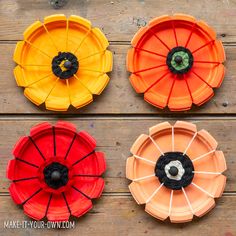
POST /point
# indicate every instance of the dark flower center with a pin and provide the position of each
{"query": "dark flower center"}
(56, 175)
(179, 60)
(174, 170)
(65, 65)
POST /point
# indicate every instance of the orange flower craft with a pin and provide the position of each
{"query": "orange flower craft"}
(62, 62)
(176, 171)
(176, 61)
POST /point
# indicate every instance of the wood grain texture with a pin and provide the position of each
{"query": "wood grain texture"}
(120, 215)
(115, 137)
(119, 19)
(119, 115)
(119, 97)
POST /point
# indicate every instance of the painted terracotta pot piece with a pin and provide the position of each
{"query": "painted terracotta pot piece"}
(56, 172)
(176, 61)
(176, 171)
(62, 62)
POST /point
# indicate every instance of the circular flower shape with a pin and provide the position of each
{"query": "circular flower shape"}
(176, 171)
(56, 172)
(62, 62)
(176, 61)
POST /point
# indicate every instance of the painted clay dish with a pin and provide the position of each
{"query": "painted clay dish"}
(176, 171)
(176, 61)
(56, 172)
(62, 62)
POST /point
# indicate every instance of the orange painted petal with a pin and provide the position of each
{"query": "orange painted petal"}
(158, 95)
(184, 17)
(138, 59)
(208, 30)
(211, 73)
(180, 98)
(142, 81)
(201, 92)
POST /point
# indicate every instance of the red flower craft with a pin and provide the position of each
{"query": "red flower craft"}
(56, 172)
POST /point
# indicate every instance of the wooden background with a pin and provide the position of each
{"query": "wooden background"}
(119, 115)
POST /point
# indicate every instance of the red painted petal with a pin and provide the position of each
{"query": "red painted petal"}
(39, 128)
(42, 136)
(88, 138)
(21, 191)
(17, 170)
(24, 149)
(93, 164)
(83, 145)
(66, 125)
(58, 210)
(64, 140)
(78, 203)
(11, 169)
(36, 207)
(90, 186)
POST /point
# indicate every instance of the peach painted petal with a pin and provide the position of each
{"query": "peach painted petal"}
(206, 136)
(137, 193)
(180, 211)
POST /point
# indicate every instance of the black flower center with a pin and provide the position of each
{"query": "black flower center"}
(65, 65)
(171, 176)
(56, 175)
(173, 170)
(179, 60)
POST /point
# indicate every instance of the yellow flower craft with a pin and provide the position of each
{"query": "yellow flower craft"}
(62, 62)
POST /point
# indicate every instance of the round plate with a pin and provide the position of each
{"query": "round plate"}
(56, 172)
(62, 62)
(176, 171)
(176, 61)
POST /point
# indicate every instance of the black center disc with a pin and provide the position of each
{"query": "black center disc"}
(65, 65)
(56, 175)
(187, 164)
(175, 55)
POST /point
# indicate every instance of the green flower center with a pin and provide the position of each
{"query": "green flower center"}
(180, 60)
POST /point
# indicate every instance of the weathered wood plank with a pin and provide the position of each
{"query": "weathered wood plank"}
(119, 97)
(120, 215)
(115, 137)
(119, 19)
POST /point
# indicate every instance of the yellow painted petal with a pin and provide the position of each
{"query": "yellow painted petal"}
(80, 20)
(56, 17)
(18, 52)
(38, 92)
(79, 94)
(101, 37)
(19, 76)
(32, 29)
(98, 62)
(95, 82)
(59, 97)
